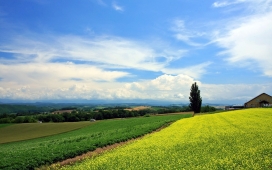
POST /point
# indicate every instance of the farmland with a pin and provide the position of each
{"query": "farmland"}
(231, 140)
(33, 153)
(18, 132)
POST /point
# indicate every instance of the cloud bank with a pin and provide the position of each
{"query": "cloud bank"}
(166, 88)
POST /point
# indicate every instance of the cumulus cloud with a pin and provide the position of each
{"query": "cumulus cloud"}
(195, 71)
(239, 93)
(164, 88)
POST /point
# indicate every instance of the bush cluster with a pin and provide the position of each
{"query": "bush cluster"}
(205, 109)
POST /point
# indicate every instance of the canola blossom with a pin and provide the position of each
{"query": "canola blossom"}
(239, 139)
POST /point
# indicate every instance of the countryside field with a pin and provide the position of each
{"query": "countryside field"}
(32, 153)
(18, 132)
(239, 139)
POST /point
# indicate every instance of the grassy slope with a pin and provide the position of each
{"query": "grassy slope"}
(40, 151)
(24, 131)
(231, 140)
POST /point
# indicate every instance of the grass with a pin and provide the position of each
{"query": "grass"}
(5, 125)
(238, 139)
(33, 153)
(25, 131)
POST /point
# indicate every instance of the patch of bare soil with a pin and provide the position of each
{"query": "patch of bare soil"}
(139, 108)
(62, 111)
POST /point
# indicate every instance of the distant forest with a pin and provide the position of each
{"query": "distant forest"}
(30, 113)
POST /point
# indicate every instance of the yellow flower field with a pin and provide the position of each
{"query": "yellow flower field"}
(231, 140)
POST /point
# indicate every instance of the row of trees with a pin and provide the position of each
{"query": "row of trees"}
(76, 116)
(82, 115)
(22, 109)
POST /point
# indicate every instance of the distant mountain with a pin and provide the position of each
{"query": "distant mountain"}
(65, 103)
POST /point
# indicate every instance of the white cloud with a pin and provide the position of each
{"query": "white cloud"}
(177, 88)
(105, 52)
(195, 71)
(117, 7)
(165, 82)
(165, 88)
(50, 75)
(233, 92)
(248, 43)
(73, 67)
(250, 5)
(219, 4)
(184, 34)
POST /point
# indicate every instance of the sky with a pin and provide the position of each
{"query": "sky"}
(135, 51)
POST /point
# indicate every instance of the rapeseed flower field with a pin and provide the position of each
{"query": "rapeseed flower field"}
(239, 139)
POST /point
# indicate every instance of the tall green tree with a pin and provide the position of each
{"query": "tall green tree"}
(195, 99)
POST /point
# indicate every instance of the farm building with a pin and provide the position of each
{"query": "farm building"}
(259, 101)
(234, 107)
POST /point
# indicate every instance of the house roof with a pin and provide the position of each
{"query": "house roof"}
(257, 97)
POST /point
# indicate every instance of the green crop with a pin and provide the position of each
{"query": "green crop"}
(231, 140)
(36, 152)
(25, 131)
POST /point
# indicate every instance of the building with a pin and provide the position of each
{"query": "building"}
(234, 107)
(259, 101)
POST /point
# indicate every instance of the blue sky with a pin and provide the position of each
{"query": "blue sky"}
(135, 50)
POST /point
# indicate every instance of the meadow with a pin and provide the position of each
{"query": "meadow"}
(32, 153)
(231, 140)
(5, 125)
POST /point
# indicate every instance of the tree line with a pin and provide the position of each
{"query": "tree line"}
(83, 115)
(97, 114)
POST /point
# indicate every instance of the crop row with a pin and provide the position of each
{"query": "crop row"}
(36, 152)
(230, 140)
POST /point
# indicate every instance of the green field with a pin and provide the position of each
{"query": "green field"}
(33, 153)
(232, 140)
(5, 125)
(24, 131)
